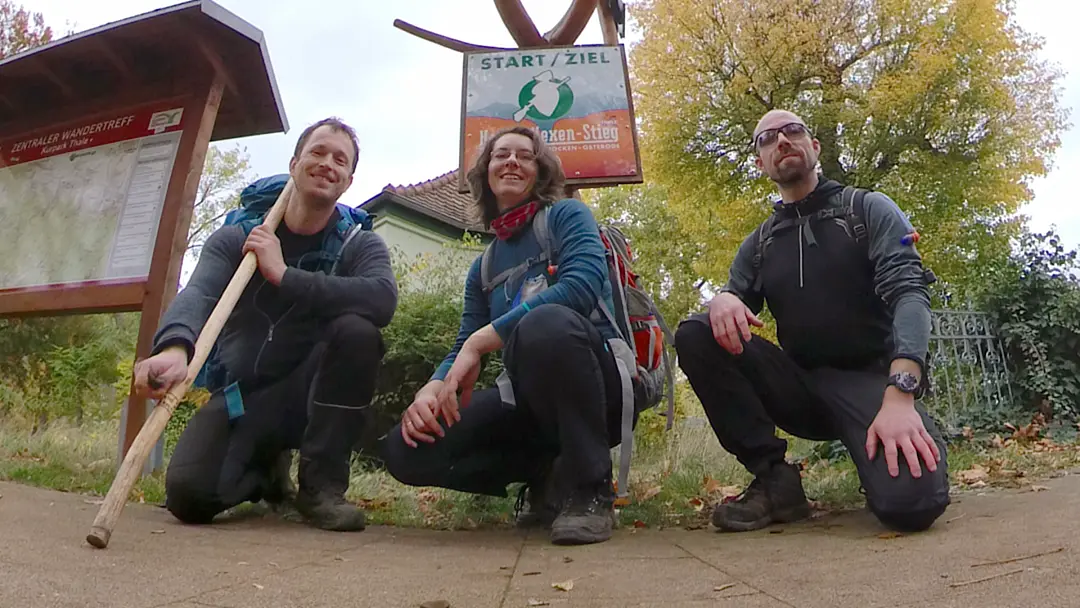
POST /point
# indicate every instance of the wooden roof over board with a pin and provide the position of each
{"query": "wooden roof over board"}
(160, 53)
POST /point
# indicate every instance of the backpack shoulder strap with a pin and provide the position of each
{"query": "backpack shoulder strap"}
(543, 234)
(853, 204)
(543, 237)
(764, 235)
(486, 282)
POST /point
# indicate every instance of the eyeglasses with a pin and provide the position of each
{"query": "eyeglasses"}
(791, 131)
(523, 156)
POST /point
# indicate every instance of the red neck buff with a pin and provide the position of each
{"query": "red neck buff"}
(510, 223)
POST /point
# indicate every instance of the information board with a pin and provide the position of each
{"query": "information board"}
(80, 204)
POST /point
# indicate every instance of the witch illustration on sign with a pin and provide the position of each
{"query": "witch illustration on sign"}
(544, 98)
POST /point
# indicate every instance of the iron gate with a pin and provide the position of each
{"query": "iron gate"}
(968, 366)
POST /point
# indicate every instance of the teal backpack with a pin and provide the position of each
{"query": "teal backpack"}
(255, 202)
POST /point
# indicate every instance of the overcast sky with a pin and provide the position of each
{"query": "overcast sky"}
(403, 94)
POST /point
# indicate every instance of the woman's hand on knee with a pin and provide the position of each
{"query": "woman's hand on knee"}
(420, 418)
(462, 377)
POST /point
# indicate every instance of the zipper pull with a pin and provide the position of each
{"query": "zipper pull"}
(270, 336)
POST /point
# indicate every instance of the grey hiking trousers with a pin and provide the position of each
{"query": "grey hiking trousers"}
(747, 396)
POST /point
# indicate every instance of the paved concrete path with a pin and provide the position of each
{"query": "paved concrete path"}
(836, 561)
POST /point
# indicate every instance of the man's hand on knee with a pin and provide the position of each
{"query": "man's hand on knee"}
(731, 320)
(900, 429)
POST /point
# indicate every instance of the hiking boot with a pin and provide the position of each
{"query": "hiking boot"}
(330, 511)
(537, 504)
(588, 516)
(280, 491)
(776, 496)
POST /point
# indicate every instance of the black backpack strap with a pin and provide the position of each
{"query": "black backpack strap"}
(764, 240)
(855, 213)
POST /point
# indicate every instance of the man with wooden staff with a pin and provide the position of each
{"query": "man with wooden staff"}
(300, 351)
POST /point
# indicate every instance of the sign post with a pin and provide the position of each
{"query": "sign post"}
(578, 98)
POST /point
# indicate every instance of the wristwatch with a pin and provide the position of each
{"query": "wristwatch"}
(904, 382)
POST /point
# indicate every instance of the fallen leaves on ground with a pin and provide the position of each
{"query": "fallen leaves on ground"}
(889, 535)
(564, 586)
(713, 487)
(975, 473)
(427, 500)
(1030, 431)
(536, 602)
(373, 504)
(723, 587)
(258, 586)
(26, 454)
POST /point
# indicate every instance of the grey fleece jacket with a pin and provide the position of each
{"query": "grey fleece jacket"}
(273, 329)
(809, 290)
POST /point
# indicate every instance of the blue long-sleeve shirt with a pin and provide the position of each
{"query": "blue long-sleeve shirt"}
(581, 279)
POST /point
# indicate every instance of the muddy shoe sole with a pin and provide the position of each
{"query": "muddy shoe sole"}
(351, 523)
(582, 530)
(781, 516)
(337, 518)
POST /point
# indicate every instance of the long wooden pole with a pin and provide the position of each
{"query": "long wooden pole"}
(132, 465)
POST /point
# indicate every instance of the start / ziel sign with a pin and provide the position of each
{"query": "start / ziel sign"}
(577, 98)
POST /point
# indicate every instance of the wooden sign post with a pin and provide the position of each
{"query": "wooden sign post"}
(577, 97)
(103, 136)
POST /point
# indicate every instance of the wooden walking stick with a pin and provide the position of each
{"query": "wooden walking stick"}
(144, 442)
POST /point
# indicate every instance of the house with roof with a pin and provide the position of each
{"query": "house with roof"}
(421, 219)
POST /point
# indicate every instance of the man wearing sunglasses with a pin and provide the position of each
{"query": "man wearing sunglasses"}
(839, 271)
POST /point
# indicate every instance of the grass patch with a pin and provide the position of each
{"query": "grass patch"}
(70, 459)
(676, 478)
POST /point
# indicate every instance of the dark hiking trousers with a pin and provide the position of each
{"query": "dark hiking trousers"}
(747, 396)
(318, 408)
(568, 397)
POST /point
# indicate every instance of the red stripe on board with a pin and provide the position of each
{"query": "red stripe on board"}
(120, 126)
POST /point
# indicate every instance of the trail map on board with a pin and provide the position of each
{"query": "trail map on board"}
(82, 204)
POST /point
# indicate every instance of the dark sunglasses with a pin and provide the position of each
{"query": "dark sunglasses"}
(790, 131)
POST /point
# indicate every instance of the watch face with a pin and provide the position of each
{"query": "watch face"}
(906, 382)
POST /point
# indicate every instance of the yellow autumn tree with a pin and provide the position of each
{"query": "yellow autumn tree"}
(941, 104)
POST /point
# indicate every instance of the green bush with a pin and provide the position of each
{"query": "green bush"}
(63, 367)
(423, 331)
(1035, 304)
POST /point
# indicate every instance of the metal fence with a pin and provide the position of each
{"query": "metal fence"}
(969, 369)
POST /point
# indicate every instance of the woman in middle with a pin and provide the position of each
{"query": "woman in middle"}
(554, 417)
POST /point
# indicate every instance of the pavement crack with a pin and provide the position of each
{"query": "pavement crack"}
(733, 577)
(513, 572)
